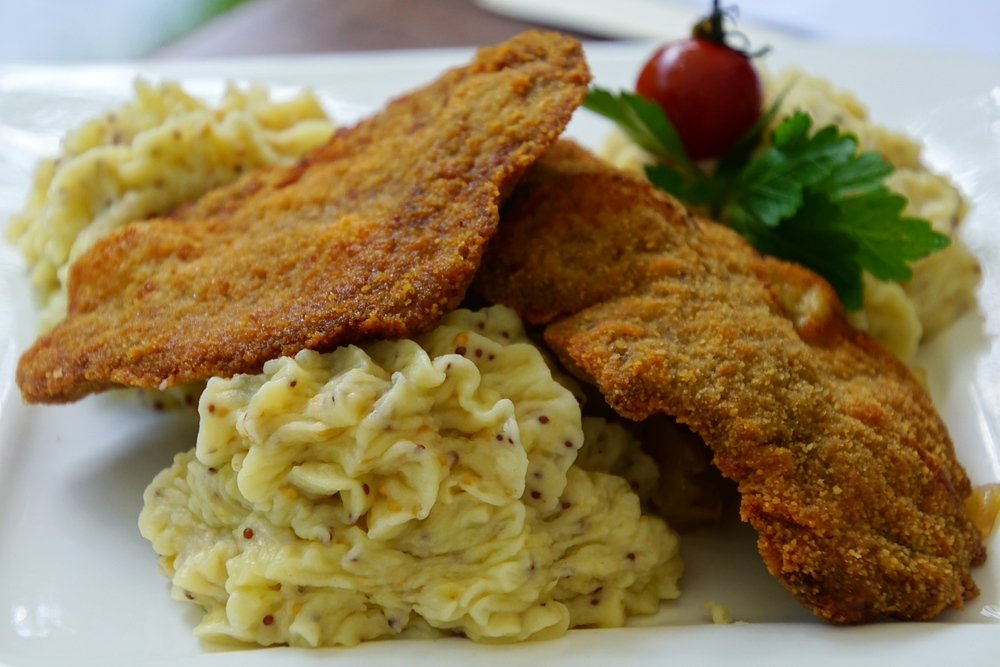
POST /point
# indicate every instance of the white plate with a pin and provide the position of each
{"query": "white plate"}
(79, 586)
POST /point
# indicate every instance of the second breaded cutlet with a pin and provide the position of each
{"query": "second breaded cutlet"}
(844, 467)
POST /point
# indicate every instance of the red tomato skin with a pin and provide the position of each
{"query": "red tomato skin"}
(711, 93)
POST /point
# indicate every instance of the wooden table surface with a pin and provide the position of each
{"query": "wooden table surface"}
(269, 27)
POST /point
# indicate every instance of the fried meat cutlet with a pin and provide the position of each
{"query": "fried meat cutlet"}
(376, 234)
(844, 468)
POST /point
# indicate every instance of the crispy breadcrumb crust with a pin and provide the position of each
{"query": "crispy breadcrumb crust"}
(844, 467)
(375, 234)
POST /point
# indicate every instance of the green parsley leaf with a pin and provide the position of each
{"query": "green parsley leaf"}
(887, 241)
(770, 187)
(861, 173)
(812, 238)
(645, 124)
(802, 195)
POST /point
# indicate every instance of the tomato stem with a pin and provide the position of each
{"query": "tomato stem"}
(711, 27)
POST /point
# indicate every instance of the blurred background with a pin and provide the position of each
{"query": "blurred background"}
(92, 30)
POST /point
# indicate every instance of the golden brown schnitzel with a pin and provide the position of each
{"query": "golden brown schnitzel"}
(376, 234)
(844, 467)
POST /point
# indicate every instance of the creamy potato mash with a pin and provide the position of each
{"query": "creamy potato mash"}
(943, 285)
(159, 150)
(342, 497)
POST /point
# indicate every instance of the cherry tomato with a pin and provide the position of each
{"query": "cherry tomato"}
(710, 92)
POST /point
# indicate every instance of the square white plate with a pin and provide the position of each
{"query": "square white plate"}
(79, 586)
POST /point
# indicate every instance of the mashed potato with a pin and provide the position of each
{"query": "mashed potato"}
(899, 315)
(342, 497)
(156, 152)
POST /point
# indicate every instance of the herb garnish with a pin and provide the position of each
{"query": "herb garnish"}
(810, 198)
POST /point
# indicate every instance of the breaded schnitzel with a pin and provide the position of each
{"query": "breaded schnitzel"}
(844, 467)
(376, 234)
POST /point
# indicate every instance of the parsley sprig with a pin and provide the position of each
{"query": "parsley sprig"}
(808, 197)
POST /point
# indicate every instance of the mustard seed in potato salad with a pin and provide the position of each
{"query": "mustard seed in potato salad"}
(347, 496)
